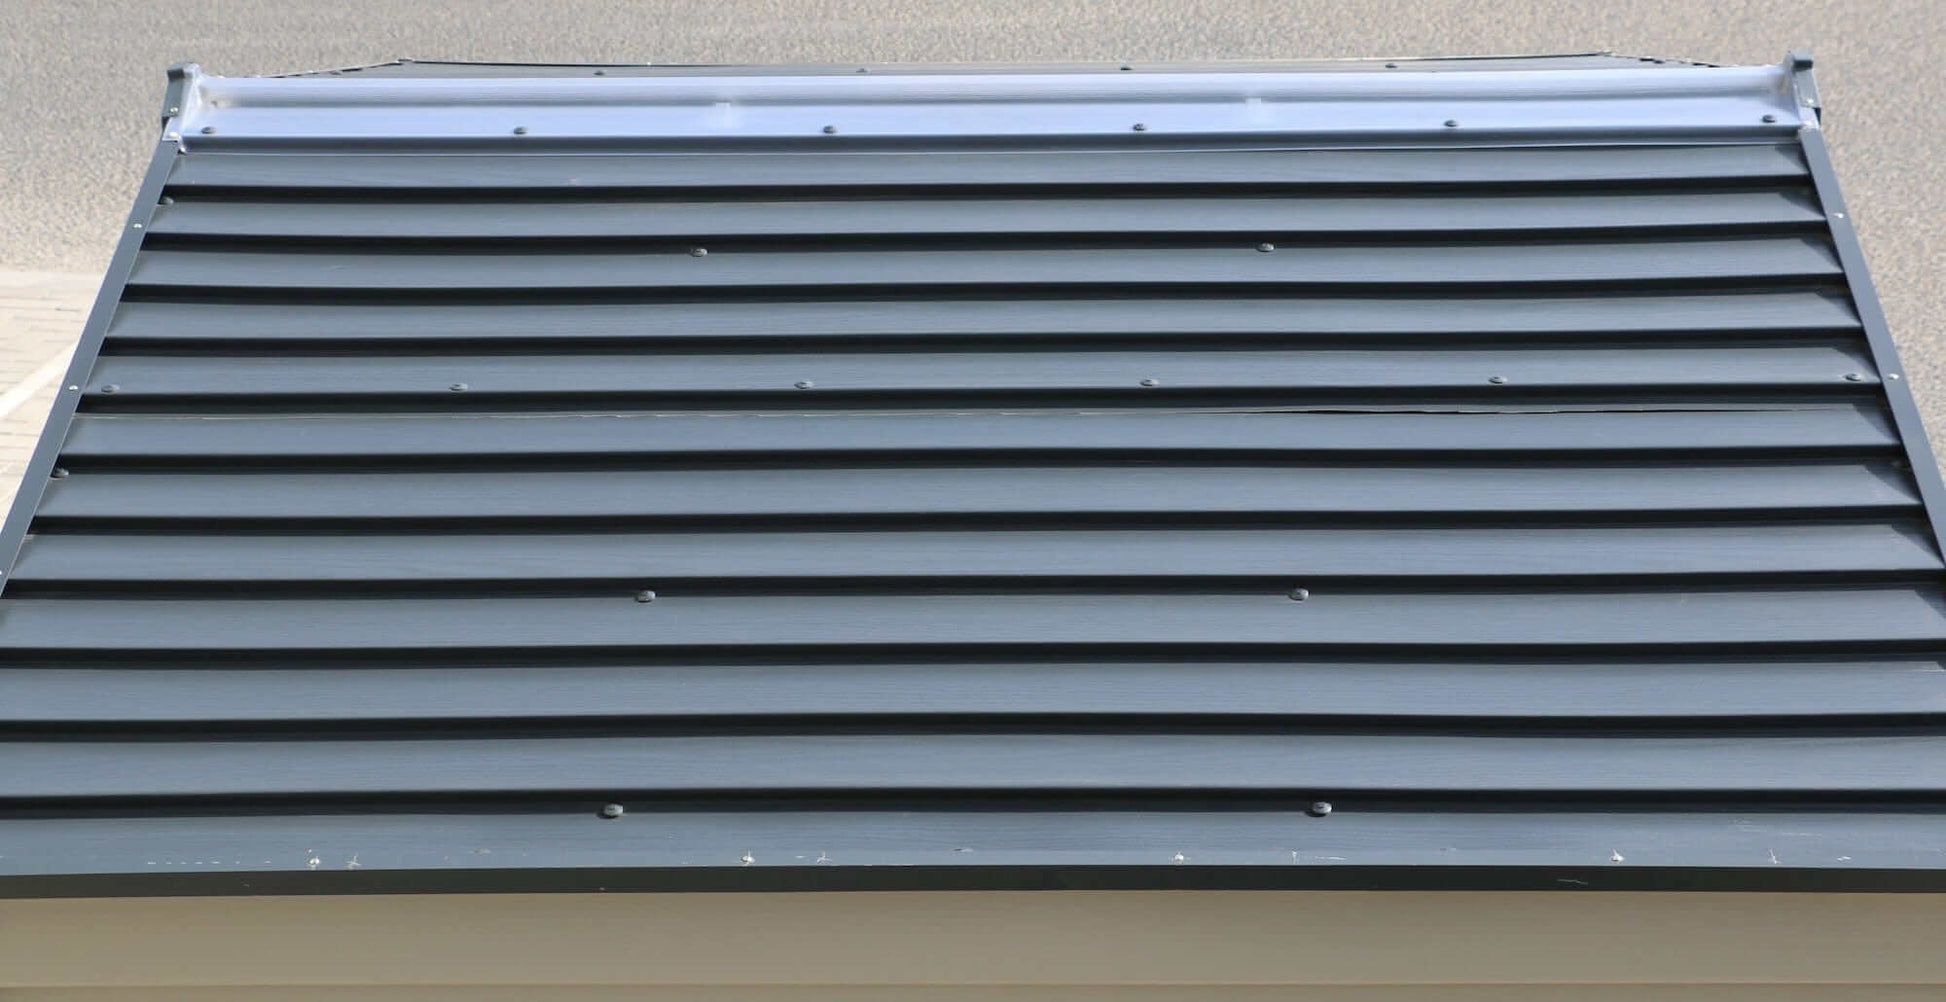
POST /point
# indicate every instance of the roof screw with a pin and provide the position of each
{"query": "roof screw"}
(59, 473)
(457, 387)
(645, 595)
(830, 130)
(520, 130)
(1770, 119)
(1141, 127)
(1319, 808)
(1125, 69)
(1266, 248)
(1891, 375)
(1854, 377)
(172, 135)
(72, 387)
(208, 130)
(601, 73)
(699, 252)
(1452, 123)
(862, 69)
(1496, 380)
(111, 388)
(804, 384)
(612, 811)
(1391, 66)
(1300, 594)
(166, 200)
(174, 110)
(1151, 382)
(136, 226)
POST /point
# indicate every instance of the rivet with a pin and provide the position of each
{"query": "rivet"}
(166, 200)
(1891, 375)
(1151, 382)
(1496, 380)
(699, 252)
(73, 387)
(645, 595)
(135, 226)
(111, 388)
(1125, 69)
(1300, 594)
(174, 110)
(520, 130)
(208, 130)
(172, 135)
(601, 73)
(830, 130)
(1837, 215)
(1179, 858)
(1854, 377)
(1266, 248)
(747, 859)
(457, 387)
(804, 384)
(862, 69)
(1141, 127)
(1319, 808)
(612, 811)
(1391, 66)
(59, 473)
(1769, 119)
(1452, 123)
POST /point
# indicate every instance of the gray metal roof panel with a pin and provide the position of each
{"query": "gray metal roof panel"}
(1004, 496)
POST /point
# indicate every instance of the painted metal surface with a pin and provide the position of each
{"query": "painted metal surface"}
(658, 498)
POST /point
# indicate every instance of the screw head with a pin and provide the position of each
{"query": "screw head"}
(1769, 119)
(804, 384)
(1266, 248)
(1497, 380)
(457, 387)
(1152, 382)
(699, 252)
(612, 811)
(111, 388)
(1125, 69)
(1300, 594)
(1141, 127)
(1319, 808)
(645, 595)
(1854, 377)
(174, 110)
(1391, 66)
(830, 130)
(135, 226)
(208, 130)
(1452, 123)
(58, 473)
(520, 130)
(1891, 375)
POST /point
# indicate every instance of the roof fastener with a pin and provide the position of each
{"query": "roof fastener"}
(135, 226)
(1319, 808)
(804, 384)
(601, 73)
(830, 130)
(457, 387)
(645, 595)
(1496, 380)
(1300, 594)
(1891, 375)
(520, 130)
(111, 388)
(1854, 377)
(1452, 123)
(1266, 248)
(1391, 66)
(1141, 127)
(1151, 382)
(59, 473)
(1125, 69)
(208, 130)
(1768, 119)
(612, 811)
(174, 110)
(699, 252)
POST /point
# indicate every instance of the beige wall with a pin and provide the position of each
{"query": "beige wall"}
(1345, 946)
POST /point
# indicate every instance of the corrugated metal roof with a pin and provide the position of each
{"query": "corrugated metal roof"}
(1352, 477)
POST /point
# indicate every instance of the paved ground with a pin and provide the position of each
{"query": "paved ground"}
(80, 83)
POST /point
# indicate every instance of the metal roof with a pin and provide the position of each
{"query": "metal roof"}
(1370, 475)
